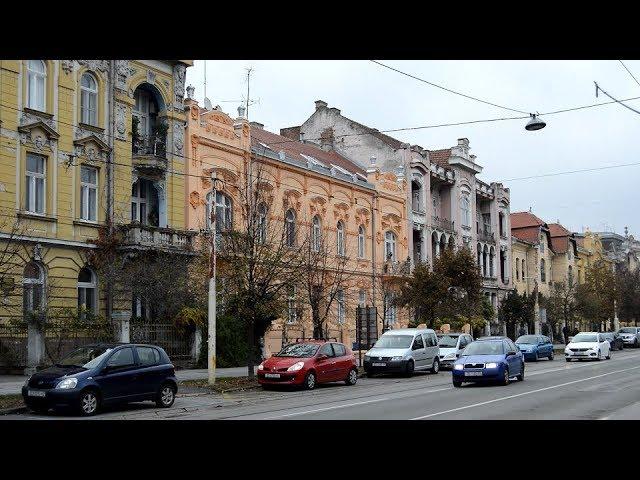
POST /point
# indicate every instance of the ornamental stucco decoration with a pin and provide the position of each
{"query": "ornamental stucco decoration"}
(179, 73)
(96, 65)
(67, 66)
(121, 126)
(178, 137)
(151, 77)
(123, 72)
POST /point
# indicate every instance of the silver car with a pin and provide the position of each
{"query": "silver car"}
(404, 350)
(451, 345)
(630, 336)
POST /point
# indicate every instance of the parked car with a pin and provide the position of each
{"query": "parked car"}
(404, 350)
(492, 359)
(615, 340)
(630, 336)
(535, 347)
(96, 375)
(588, 345)
(451, 345)
(308, 363)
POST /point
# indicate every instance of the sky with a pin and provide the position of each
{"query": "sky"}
(284, 91)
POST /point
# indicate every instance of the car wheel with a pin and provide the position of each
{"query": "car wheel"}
(636, 344)
(551, 356)
(568, 359)
(352, 378)
(89, 403)
(608, 357)
(310, 381)
(165, 396)
(409, 368)
(457, 383)
(505, 379)
(521, 376)
(435, 368)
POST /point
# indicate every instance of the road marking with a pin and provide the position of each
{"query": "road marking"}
(522, 394)
(326, 408)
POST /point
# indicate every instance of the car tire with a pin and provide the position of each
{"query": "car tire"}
(89, 402)
(568, 359)
(435, 368)
(409, 369)
(636, 344)
(505, 379)
(457, 383)
(310, 381)
(166, 396)
(608, 357)
(599, 357)
(521, 376)
(537, 357)
(352, 377)
(551, 356)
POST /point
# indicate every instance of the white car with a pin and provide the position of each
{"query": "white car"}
(589, 345)
(630, 336)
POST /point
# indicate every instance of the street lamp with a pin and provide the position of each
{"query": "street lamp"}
(535, 123)
(211, 340)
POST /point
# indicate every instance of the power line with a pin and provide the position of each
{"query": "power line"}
(629, 71)
(571, 172)
(618, 101)
(447, 89)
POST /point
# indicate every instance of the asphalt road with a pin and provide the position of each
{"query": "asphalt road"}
(609, 389)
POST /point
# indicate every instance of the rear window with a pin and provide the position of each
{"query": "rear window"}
(148, 356)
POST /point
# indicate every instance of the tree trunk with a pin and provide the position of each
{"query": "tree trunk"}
(317, 325)
(251, 349)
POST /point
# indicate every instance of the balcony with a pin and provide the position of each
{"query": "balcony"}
(419, 219)
(486, 236)
(150, 152)
(442, 224)
(390, 268)
(146, 237)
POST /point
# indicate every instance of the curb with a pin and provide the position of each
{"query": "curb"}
(10, 411)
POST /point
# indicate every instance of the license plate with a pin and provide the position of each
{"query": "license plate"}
(472, 374)
(379, 364)
(272, 375)
(36, 393)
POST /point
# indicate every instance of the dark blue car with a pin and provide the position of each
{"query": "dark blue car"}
(489, 360)
(535, 347)
(102, 374)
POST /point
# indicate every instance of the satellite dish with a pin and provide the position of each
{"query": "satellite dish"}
(207, 104)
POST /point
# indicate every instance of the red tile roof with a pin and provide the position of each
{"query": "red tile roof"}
(528, 234)
(525, 219)
(440, 157)
(296, 149)
(559, 237)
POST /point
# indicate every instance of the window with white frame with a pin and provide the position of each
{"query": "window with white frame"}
(340, 238)
(88, 193)
(292, 314)
(139, 202)
(33, 288)
(87, 291)
(262, 223)
(465, 211)
(390, 313)
(390, 246)
(36, 85)
(316, 233)
(36, 176)
(361, 242)
(341, 309)
(290, 228)
(88, 99)
(224, 212)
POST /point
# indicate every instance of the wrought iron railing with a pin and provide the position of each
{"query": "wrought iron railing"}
(177, 342)
(151, 145)
(13, 346)
(442, 223)
(487, 236)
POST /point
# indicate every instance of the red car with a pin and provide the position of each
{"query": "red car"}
(308, 363)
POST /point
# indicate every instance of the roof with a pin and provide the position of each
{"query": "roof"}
(525, 219)
(559, 237)
(297, 150)
(440, 157)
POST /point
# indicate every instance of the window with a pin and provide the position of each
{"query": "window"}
(339, 350)
(362, 297)
(361, 242)
(340, 238)
(122, 358)
(290, 225)
(147, 356)
(262, 223)
(418, 343)
(139, 202)
(88, 99)
(523, 271)
(543, 271)
(36, 85)
(390, 246)
(542, 244)
(88, 193)
(327, 350)
(465, 211)
(292, 314)
(224, 212)
(389, 309)
(316, 233)
(36, 176)
(517, 269)
(340, 300)
(87, 290)
(501, 218)
(33, 287)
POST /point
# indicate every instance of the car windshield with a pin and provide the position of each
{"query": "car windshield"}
(627, 330)
(584, 337)
(299, 350)
(85, 357)
(447, 341)
(607, 335)
(527, 339)
(394, 341)
(484, 348)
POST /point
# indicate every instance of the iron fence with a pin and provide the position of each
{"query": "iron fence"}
(60, 339)
(177, 342)
(13, 346)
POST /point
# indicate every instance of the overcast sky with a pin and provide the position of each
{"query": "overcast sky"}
(383, 99)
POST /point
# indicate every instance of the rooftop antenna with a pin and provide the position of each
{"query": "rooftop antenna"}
(207, 102)
(249, 70)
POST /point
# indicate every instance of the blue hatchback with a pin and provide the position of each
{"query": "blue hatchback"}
(101, 374)
(489, 360)
(535, 347)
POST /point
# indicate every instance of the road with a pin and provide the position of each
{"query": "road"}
(609, 389)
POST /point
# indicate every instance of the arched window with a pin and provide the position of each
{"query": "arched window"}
(262, 223)
(33, 287)
(465, 211)
(340, 238)
(290, 226)
(316, 233)
(88, 99)
(492, 255)
(224, 212)
(390, 246)
(523, 271)
(517, 269)
(543, 271)
(36, 85)
(361, 242)
(87, 290)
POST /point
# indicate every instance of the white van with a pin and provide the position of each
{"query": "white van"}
(404, 350)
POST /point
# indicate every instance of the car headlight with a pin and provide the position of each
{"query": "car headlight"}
(295, 367)
(396, 358)
(26, 382)
(261, 367)
(491, 365)
(67, 383)
(458, 366)
(450, 355)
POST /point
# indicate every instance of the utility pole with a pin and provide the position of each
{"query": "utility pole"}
(249, 70)
(211, 344)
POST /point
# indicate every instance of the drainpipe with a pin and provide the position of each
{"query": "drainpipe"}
(109, 174)
(373, 251)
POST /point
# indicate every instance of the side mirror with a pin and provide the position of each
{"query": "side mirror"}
(510, 353)
(322, 356)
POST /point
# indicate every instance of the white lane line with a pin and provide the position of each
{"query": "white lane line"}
(522, 394)
(326, 408)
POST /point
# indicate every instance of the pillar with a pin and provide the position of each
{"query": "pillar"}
(35, 349)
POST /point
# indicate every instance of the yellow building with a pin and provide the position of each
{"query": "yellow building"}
(71, 166)
(589, 252)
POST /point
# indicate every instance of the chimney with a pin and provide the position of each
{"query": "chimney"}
(372, 165)
(241, 111)
(334, 111)
(257, 125)
(327, 139)
(463, 142)
(320, 104)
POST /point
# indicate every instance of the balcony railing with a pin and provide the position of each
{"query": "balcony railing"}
(146, 236)
(486, 236)
(442, 224)
(155, 145)
(391, 267)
